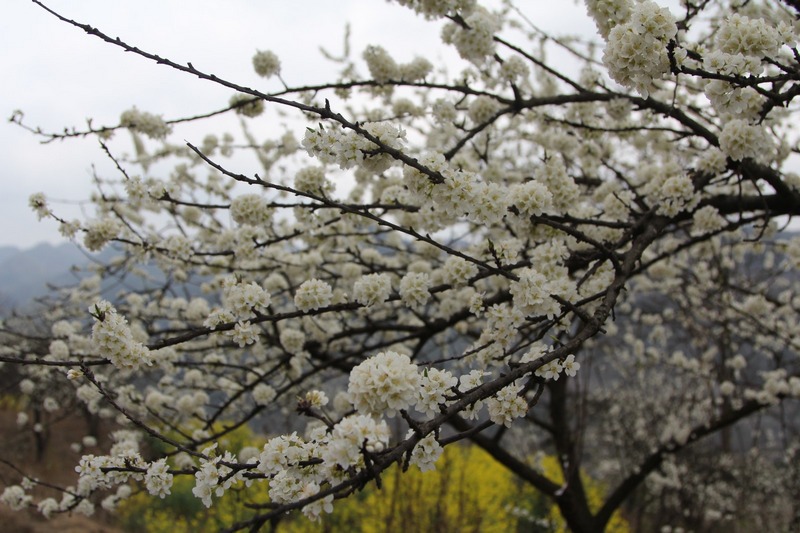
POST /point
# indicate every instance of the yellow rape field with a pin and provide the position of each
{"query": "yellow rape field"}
(468, 492)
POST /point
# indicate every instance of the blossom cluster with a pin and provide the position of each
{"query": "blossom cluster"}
(312, 180)
(99, 232)
(636, 50)
(554, 368)
(426, 453)
(252, 209)
(313, 294)
(113, 339)
(507, 405)
(244, 300)
(731, 101)
(415, 289)
(246, 105)
(608, 14)
(382, 68)
(739, 34)
(215, 477)
(475, 42)
(146, 123)
(38, 202)
(372, 289)
(439, 8)
(533, 292)
(384, 384)
(348, 148)
(266, 64)
(740, 140)
(157, 479)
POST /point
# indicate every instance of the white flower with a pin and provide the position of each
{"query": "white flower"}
(414, 290)
(476, 42)
(50, 404)
(266, 64)
(384, 384)
(292, 340)
(636, 51)
(514, 69)
(114, 340)
(99, 232)
(47, 507)
(177, 246)
(372, 289)
(609, 13)
(313, 294)
(435, 384)
(531, 198)
(350, 435)
(532, 293)
(381, 66)
(417, 69)
(740, 140)
(26, 386)
(85, 507)
(426, 453)
(482, 109)
(281, 452)
(507, 405)
(151, 125)
(313, 511)
(312, 180)
(251, 209)
(38, 203)
(458, 271)
(244, 333)
(570, 366)
(14, 496)
(749, 37)
(247, 105)
(158, 480)
(245, 298)
(316, 398)
(675, 195)
(551, 370)
(706, 220)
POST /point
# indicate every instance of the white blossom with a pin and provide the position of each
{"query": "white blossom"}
(426, 453)
(384, 384)
(151, 125)
(313, 294)
(372, 289)
(158, 479)
(266, 64)
(507, 405)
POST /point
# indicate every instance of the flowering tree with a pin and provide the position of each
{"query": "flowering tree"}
(585, 264)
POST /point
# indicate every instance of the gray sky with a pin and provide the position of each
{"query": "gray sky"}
(59, 76)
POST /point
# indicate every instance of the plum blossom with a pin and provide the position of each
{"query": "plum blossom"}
(313, 294)
(384, 384)
(507, 405)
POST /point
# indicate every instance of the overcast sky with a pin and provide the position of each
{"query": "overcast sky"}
(59, 76)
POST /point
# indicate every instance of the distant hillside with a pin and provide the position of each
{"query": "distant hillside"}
(24, 274)
(7, 251)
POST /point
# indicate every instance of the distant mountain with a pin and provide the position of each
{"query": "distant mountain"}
(7, 251)
(24, 274)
